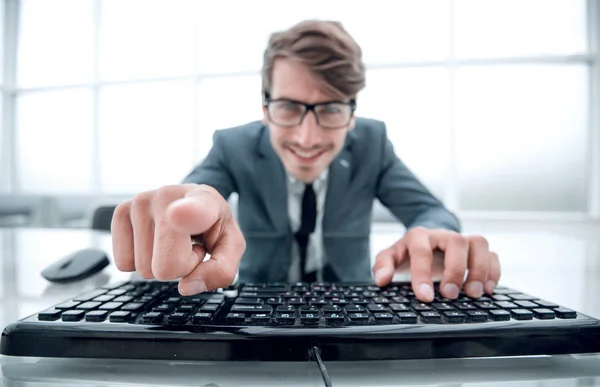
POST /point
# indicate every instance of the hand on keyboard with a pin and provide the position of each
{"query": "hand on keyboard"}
(416, 249)
(151, 235)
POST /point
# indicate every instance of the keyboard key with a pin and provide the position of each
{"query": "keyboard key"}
(243, 308)
(454, 316)
(89, 305)
(249, 301)
(501, 297)
(499, 315)
(49, 315)
(521, 297)
(133, 306)
(377, 308)
(202, 317)
(546, 304)
(235, 318)
(73, 315)
(476, 316)
(543, 314)
(111, 306)
(526, 304)
(309, 309)
(407, 317)
(506, 304)
(485, 305)
(96, 315)
(285, 318)
(260, 318)
(123, 299)
(430, 317)
(332, 309)
(442, 306)
(152, 318)
(209, 308)
(334, 317)
(177, 317)
(359, 317)
(385, 317)
(120, 316)
(521, 314)
(420, 306)
(464, 305)
(89, 296)
(67, 305)
(399, 308)
(309, 318)
(104, 298)
(565, 313)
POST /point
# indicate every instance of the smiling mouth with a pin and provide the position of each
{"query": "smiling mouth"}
(307, 156)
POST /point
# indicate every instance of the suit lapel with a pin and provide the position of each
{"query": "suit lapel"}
(270, 178)
(338, 185)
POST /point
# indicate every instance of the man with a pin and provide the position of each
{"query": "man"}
(307, 176)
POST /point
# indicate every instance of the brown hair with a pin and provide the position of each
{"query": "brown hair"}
(326, 48)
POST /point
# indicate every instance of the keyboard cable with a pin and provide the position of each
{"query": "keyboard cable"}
(315, 353)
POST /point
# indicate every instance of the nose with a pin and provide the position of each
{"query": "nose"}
(307, 133)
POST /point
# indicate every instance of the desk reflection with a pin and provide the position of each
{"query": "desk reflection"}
(563, 269)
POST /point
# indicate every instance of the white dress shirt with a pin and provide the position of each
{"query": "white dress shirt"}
(315, 254)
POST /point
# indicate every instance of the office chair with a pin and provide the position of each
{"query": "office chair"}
(102, 217)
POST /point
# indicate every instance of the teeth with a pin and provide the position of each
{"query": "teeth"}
(306, 154)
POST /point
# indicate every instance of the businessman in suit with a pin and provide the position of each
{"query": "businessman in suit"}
(306, 175)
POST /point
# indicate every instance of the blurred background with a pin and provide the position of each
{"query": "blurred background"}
(494, 104)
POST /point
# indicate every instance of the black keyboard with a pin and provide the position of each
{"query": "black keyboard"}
(282, 322)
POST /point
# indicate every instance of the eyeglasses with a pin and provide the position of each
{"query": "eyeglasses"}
(290, 113)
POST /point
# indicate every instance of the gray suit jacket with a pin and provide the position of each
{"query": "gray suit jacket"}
(242, 160)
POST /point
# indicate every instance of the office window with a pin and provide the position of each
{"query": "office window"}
(487, 101)
(522, 137)
(415, 105)
(146, 39)
(517, 28)
(225, 102)
(231, 35)
(145, 132)
(55, 42)
(2, 58)
(54, 141)
(394, 31)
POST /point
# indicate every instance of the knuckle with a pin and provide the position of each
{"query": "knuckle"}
(121, 211)
(478, 240)
(141, 202)
(455, 271)
(168, 193)
(458, 240)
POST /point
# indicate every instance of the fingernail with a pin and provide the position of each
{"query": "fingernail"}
(195, 287)
(383, 274)
(451, 290)
(476, 288)
(490, 286)
(426, 291)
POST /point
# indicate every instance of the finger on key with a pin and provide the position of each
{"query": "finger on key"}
(478, 265)
(143, 233)
(122, 237)
(493, 273)
(456, 257)
(421, 259)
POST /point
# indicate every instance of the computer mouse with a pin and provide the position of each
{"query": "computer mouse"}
(77, 266)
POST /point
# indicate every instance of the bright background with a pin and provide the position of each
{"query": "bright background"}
(494, 104)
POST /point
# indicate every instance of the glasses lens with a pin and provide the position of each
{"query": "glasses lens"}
(334, 115)
(285, 113)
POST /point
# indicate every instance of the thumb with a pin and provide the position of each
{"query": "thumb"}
(198, 211)
(386, 263)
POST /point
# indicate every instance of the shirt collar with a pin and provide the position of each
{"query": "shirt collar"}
(322, 178)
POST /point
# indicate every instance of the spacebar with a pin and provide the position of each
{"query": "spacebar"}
(259, 294)
(252, 308)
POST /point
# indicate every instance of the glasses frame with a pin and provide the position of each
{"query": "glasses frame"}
(310, 107)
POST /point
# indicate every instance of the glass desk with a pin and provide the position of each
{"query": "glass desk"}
(560, 268)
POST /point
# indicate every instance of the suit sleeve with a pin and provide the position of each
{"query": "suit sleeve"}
(214, 169)
(407, 198)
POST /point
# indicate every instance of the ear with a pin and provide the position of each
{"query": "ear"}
(352, 123)
(265, 118)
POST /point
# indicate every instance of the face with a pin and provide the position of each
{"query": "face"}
(305, 149)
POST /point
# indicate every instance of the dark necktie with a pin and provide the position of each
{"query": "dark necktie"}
(307, 226)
